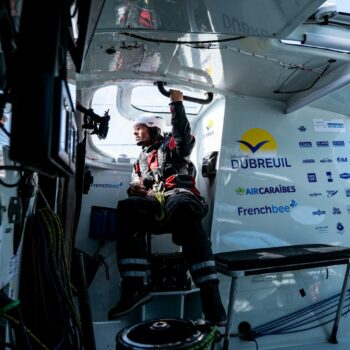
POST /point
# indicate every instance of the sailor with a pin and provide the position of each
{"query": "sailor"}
(163, 198)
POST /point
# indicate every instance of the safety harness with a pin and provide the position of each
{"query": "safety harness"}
(155, 162)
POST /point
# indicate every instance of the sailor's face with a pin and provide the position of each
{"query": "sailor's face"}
(142, 136)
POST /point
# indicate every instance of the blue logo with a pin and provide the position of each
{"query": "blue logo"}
(302, 128)
(254, 163)
(258, 142)
(342, 159)
(340, 227)
(315, 194)
(329, 176)
(319, 212)
(321, 229)
(253, 148)
(326, 160)
(306, 161)
(336, 211)
(344, 176)
(347, 192)
(331, 193)
(311, 177)
(293, 203)
(322, 143)
(305, 144)
(335, 125)
(338, 143)
(267, 209)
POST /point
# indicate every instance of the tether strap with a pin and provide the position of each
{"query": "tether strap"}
(161, 199)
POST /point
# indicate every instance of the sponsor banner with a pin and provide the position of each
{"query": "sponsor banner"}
(333, 125)
(279, 179)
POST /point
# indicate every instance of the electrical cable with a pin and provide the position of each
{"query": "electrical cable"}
(47, 294)
(53, 226)
(5, 131)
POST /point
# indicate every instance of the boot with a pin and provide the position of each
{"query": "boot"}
(212, 306)
(133, 295)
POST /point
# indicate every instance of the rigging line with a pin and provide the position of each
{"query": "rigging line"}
(290, 318)
(303, 311)
(31, 335)
(283, 64)
(267, 58)
(304, 329)
(293, 326)
(299, 312)
(180, 42)
(305, 321)
(330, 62)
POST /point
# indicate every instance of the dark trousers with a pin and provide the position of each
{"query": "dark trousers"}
(183, 213)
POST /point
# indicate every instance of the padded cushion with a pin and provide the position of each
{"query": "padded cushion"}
(283, 258)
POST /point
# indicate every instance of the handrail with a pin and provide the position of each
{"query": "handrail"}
(166, 93)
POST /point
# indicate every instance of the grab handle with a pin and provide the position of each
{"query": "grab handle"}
(166, 93)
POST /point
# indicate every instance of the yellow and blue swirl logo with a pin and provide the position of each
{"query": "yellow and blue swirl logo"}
(259, 151)
(257, 141)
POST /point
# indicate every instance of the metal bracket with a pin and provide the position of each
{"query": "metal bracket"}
(14, 210)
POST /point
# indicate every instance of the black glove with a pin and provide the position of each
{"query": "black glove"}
(148, 180)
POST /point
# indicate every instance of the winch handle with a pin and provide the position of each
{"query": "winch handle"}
(166, 93)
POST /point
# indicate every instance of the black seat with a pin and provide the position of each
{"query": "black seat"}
(237, 264)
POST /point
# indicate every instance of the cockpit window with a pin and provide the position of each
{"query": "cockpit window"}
(149, 99)
(343, 6)
(120, 142)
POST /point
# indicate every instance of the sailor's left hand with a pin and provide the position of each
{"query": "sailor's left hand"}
(151, 193)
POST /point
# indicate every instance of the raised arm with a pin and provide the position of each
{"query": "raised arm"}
(183, 140)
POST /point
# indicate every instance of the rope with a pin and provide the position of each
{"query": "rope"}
(55, 235)
(10, 318)
(9, 306)
(293, 322)
(49, 297)
(208, 340)
(159, 195)
(158, 189)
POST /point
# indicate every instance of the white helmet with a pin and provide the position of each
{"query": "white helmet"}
(151, 121)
